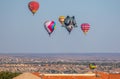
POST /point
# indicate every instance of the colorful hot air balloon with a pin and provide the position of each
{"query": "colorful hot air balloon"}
(49, 26)
(33, 6)
(61, 19)
(92, 66)
(70, 23)
(85, 27)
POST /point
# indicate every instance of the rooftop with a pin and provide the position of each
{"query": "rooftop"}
(98, 75)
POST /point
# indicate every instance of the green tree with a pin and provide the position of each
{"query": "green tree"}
(8, 75)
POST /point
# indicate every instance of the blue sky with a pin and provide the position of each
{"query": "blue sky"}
(21, 32)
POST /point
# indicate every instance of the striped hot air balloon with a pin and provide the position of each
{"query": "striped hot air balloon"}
(85, 27)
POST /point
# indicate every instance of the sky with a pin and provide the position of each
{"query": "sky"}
(21, 32)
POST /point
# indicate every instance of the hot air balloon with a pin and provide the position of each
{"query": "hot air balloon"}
(92, 66)
(49, 26)
(61, 19)
(85, 27)
(33, 6)
(70, 23)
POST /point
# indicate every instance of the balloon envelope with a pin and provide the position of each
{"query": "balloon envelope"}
(49, 26)
(33, 6)
(61, 19)
(92, 66)
(70, 23)
(85, 27)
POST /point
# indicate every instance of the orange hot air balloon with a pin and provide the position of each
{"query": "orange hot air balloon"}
(85, 27)
(33, 6)
(61, 19)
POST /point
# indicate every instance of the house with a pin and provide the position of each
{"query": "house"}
(98, 75)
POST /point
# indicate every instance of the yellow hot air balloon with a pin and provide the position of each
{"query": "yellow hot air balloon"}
(61, 19)
(92, 66)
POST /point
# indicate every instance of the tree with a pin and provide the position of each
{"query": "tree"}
(8, 75)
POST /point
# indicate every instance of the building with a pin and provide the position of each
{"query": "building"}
(98, 75)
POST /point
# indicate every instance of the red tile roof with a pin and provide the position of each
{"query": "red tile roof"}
(100, 75)
(114, 76)
(37, 74)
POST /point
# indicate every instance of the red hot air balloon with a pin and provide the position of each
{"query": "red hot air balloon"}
(33, 6)
(85, 27)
